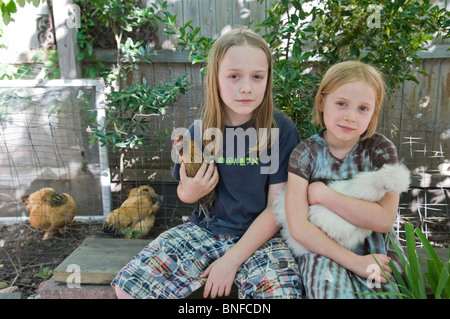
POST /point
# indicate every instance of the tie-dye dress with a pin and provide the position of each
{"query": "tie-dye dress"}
(321, 277)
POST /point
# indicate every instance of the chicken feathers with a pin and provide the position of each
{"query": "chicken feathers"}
(192, 156)
(50, 210)
(137, 212)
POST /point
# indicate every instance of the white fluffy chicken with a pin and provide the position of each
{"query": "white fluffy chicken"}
(50, 210)
(370, 186)
(137, 212)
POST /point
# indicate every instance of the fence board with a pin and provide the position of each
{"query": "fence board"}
(213, 16)
(224, 20)
(416, 118)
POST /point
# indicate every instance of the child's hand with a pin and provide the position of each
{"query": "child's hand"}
(193, 188)
(221, 276)
(367, 267)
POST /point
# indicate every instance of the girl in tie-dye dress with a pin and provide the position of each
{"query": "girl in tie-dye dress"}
(347, 106)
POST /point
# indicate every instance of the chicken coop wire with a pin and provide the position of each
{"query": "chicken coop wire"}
(44, 143)
(423, 146)
(144, 166)
(151, 164)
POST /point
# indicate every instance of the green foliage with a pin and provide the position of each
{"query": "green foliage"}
(437, 272)
(189, 38)
(307, 38)
(9, 7)
(294, 82)
(129, 112)
(410, 282)
(128, 109)
(129, 233)
(45, 273)
(121, 18)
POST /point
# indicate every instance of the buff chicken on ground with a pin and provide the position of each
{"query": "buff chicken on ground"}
(137, 213)
(193, 160)
(50, 210)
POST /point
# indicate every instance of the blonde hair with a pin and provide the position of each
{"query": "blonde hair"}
(345, 72)
(213, 107)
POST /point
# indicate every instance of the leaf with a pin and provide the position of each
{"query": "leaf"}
(81, 56)
(430, 250)
(45, 273)
(385, 293)
(397, 275)
(11, 7)
(442, 284)
(432, 275)
(414, 275)
(398, 251)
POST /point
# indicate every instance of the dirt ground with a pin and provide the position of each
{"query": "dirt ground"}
(26, 260)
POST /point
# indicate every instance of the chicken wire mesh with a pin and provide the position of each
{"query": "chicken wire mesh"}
(149, 165)
(44, 143)
(416, 119)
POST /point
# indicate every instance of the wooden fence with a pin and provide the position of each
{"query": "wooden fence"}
(214, 17)
(415, 117)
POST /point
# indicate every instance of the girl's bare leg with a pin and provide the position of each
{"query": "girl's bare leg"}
(121, 294)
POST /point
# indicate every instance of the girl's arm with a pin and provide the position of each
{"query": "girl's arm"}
(315, 240)
(378, 217)
(221, 273)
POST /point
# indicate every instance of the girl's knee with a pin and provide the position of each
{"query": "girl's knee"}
(121, 294)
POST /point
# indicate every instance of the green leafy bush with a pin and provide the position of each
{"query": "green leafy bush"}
(410, 282)
(129, 111)
(307, 38)
(121, 18)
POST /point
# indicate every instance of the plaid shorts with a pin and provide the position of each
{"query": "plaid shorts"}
(170, 266)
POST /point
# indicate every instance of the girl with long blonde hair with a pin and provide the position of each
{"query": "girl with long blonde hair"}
(236, 240)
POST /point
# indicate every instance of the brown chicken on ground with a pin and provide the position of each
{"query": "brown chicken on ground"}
(137, 212)
(50, 210)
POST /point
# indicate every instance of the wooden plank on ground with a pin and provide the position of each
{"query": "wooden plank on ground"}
(98, 260)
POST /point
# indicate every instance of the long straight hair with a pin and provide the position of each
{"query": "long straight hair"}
(213, 107)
